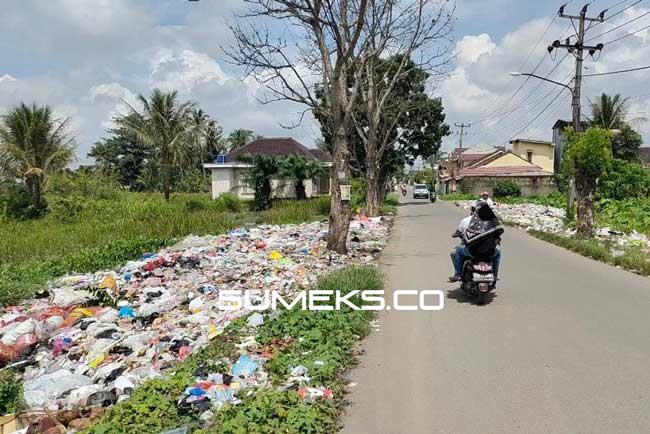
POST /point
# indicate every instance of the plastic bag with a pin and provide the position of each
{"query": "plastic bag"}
(244, 366)
(15, 330)
(256, 319)
(44, 390)
(68, 297)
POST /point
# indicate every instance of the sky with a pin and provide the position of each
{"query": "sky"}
(86, 58)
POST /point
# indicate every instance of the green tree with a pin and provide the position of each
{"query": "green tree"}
(587, 158)
(625, 180)
(209, 136)
(239, 138)
(609, 112)
(410, 124)
(263, 169)
(33, 144)
(298, 169)
(626, 144)
(166, 126)
(123, 156)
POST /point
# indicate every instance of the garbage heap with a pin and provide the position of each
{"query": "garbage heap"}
(93, 338)
(550, 219)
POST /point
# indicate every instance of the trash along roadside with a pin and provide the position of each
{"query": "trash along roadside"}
(91, 340)
(548, 219)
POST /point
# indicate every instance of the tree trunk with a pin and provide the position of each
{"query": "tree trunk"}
(339, 221)
(299, 186)
(35, 185)
(373, 193)
(585, 190)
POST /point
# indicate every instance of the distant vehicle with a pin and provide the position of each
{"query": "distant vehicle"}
(420, 191)
(432, 196)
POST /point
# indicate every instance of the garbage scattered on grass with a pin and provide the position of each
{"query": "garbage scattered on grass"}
(98, 336)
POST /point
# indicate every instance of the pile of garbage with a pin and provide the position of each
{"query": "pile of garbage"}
(93, 338)
(550, 219)
(528, 216)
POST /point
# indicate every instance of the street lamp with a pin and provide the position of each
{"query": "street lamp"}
(519, 74)
(576, 125)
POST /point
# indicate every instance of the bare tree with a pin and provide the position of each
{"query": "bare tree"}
(298, 47)
(419, 33)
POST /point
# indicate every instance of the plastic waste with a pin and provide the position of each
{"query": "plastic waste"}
(13, 331)
(126, 312)
(312, 394)
(48, 387)
(244, 366)
(256, 319)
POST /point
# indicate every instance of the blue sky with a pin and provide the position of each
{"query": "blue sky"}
(84, 58)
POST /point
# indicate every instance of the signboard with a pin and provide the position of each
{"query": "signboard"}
(345, 192)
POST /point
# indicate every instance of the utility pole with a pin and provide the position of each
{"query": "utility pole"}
(577, 50)
(462, 133)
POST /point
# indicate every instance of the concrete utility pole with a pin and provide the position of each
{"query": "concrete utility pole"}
(462, 133)
(577, 50)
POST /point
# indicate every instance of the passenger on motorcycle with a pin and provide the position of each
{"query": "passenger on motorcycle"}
(460, 253)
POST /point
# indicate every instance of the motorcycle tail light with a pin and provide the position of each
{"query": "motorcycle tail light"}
(483, 287)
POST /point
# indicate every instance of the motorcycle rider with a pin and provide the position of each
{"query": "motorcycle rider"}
(460, 253)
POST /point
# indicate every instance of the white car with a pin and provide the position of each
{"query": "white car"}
(420, 191)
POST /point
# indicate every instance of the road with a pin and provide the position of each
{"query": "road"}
(563, 347)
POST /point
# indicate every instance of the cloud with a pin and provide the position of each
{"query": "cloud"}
(85, 58)
(482, 92)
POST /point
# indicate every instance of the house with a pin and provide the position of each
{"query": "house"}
(474, 171)
(538, 152)
(228, 173)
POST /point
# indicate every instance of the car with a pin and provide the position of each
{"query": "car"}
(420, 191)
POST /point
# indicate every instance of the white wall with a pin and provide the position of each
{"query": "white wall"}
(229, 179)
(222, 181)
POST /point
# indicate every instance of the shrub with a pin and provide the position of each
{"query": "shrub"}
(11, 392)
(625, 181)
(194, 205)
(231, 202)
(391, 200)
(16, 202)
(506, 188)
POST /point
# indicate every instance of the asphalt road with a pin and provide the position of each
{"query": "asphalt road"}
(563, 347)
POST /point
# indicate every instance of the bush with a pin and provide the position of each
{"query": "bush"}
(231, 202)
(193, 181)
(391, 200)
(625, 181)
(16, 202)
(11, 392)
(69, 193)
(506, 188)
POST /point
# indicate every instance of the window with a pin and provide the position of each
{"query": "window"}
(529, 156)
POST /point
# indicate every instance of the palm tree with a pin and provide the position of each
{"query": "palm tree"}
(32, 145)
(609, 112)
(298, 169)
(168, 127)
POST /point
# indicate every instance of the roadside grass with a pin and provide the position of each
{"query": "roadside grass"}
(106, 233)
(634, 258)
(318, 336)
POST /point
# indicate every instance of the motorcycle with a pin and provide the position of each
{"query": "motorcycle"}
(478, 279)
(481, 237)
(403, 191)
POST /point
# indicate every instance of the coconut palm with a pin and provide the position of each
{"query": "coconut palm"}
(33, 144)
(167, 126)
(611, 112)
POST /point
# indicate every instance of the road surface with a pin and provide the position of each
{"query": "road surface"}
(563, 347)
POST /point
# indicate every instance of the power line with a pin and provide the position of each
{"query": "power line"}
(617, 13)
(536, 117)
(619, 26)
(628, 35)
(618, 72)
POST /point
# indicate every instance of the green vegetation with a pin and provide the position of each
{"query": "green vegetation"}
(625, 215)
(632, 258)
(33, 145)
(88, 232)
(327, 336)
(11, 392)
(507, 189)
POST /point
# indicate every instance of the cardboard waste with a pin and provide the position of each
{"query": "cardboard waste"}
(98, 336)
